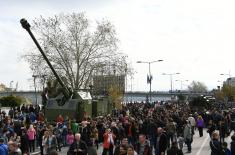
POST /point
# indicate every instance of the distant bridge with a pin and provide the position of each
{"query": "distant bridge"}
(141, 95)
(165, 93)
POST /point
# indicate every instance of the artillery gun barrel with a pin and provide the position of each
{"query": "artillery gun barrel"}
(26, 26)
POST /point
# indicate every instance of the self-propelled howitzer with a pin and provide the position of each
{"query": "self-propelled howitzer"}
(71, 104)
(66, 92)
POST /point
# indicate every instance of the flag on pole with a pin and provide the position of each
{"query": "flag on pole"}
(149, 78)
(16, 86)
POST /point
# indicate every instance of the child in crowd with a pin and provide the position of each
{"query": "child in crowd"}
(70, 137)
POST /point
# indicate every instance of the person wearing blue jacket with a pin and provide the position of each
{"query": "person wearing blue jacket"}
(3, 147)
(225, 149)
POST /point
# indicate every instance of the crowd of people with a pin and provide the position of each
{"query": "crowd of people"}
(136, 129)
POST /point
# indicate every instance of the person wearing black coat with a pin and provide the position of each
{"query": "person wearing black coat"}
(85, 131)
(174, 150)
(215, 145)
(57, 134)
(222, 131)
(115, 132)
(41, 130)
(24, 143)
(233, 145)
(161, 144)
(211, 128)
(78, 147)
(121, 132)
(131, 133)
(23, 108)
(17, 128)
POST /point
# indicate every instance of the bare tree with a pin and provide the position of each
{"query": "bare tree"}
(75, 50)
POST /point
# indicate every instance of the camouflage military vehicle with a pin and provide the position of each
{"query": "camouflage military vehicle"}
(67, 103)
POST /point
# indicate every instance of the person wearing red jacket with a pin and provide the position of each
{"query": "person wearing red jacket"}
(60, 119)
(108, 144)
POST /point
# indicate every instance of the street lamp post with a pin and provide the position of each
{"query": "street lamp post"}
(125, 70)
(181, 83)
(35, 89)
(11, 87)
(132, 77)
(44, 80)
(171, 79)
(229, 75)
(131, 88)
(149, 77)
(229, 78)
(11, 84)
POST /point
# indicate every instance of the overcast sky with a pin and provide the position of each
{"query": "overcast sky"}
(193, 37)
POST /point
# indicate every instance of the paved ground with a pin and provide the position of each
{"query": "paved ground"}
(200, 145)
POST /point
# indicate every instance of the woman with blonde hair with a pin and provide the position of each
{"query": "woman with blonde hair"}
(200, 125)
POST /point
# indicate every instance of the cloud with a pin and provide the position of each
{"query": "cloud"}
(195, 38)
